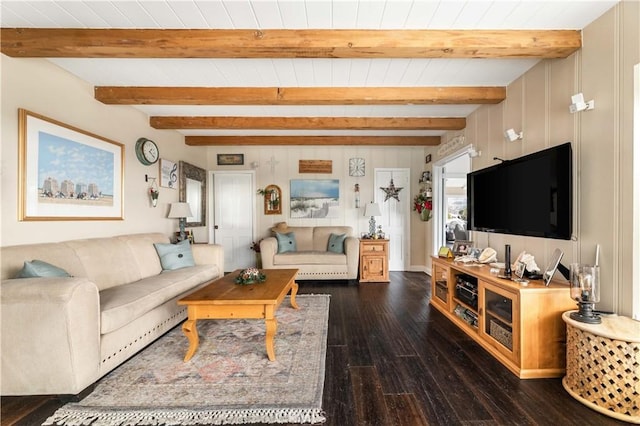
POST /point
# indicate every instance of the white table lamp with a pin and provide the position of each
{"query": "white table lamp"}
(372, 209)
(180, 211)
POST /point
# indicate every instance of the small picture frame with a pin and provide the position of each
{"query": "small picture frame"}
(461, 247)
(556, 257)
(474, 252)
(520, 268)
(427, 159)
(168, 174)
(230, 159)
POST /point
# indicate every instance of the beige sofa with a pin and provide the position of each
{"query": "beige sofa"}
(61, 334)
(312, 258)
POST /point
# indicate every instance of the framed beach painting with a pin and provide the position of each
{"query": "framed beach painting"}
(66, 173)
(315, 198)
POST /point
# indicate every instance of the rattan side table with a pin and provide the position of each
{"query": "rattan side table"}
(603, 365)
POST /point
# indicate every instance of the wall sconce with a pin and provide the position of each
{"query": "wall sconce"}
(153, 190)
(357, 190)
(578, 104)
(473, 153)
(511, 135)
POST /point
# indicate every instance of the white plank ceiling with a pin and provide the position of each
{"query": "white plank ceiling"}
(303, 72)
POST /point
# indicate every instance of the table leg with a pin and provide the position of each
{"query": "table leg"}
(191, 331)
(272, 326)
(294, 291)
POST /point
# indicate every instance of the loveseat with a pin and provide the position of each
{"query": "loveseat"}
(60, 334)
(318, 252)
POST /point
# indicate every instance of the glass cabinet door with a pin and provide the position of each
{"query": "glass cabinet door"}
(440, 286)
(500, 319)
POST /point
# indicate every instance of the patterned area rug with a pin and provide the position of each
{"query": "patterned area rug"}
(229, 380)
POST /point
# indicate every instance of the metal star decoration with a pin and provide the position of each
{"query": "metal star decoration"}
(391, 191)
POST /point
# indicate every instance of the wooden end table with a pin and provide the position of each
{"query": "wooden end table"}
(224, 299)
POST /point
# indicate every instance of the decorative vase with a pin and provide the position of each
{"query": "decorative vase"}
(425, 215)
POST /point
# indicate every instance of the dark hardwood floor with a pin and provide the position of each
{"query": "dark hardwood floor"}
(393, 360)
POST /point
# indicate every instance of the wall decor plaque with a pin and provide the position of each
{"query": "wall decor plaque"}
(315, 166)
(230, 159)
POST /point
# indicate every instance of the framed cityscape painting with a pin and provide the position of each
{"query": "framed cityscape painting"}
(67, 173)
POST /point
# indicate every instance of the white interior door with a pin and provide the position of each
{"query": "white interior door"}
(233, 217)
(395, 214)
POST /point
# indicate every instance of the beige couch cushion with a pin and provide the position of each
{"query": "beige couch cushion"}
(108, 262)
(144, 253)
(303, 237)
(119, 260)
(122, 304)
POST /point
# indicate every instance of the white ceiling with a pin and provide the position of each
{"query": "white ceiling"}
(278, 72)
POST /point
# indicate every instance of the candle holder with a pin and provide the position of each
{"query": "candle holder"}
(585, 289)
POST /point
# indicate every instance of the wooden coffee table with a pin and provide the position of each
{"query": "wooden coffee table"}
(224, 299)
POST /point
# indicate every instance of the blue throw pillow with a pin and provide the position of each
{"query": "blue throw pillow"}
(286, 242)
(175, 256)
(38, 268)
(336, 243)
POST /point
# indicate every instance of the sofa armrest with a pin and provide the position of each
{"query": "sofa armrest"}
(268, 249)
(352, 250)
(50, 339)
(209, 254)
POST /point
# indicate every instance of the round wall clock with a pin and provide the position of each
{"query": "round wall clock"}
(356, 167)
(147, 151)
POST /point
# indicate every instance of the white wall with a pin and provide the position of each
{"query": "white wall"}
(287, 159)
(43, 88)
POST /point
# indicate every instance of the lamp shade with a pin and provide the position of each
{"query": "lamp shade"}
(179, 210)
(372, 209)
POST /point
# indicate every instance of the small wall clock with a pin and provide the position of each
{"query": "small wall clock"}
(147, 151)
(356, 167)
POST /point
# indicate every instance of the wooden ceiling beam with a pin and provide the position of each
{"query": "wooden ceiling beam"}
(298, 123)
(215, 43)
(312, 140)
(137, 95)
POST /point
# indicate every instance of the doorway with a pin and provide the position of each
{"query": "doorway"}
(233, 221)
(395, 214)
(450, 202)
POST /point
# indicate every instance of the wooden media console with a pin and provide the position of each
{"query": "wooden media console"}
(520, 325)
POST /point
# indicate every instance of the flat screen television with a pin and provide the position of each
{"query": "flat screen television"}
(531, 195)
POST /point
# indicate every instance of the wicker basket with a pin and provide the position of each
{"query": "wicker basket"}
(604, 374)
(501, 334)
(441, 291)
